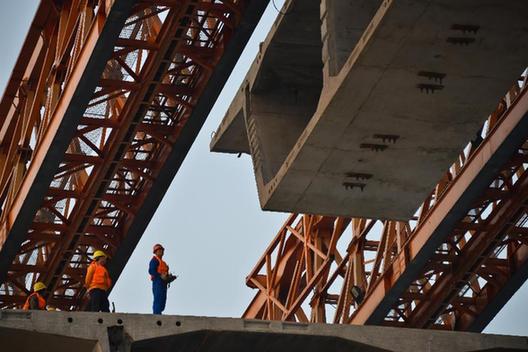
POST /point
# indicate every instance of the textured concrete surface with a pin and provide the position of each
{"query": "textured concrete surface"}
(24, 340)
(357, 108)
(83, 331)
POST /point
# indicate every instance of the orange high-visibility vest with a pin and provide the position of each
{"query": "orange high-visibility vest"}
(41, 301)
(97, 277)
(163, 268)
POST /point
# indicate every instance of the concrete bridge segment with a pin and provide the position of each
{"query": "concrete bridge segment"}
(357, 108)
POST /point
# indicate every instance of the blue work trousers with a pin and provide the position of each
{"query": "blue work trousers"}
(98, 301)
(159, 291)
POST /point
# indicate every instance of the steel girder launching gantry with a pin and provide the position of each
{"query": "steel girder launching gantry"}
(104, 103)
(452, 267)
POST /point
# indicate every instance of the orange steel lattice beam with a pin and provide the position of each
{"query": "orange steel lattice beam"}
(452, 267)
(103, 105)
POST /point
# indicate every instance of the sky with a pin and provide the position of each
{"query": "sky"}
(209, 221)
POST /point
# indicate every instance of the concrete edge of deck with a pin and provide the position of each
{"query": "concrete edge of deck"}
(138, 332)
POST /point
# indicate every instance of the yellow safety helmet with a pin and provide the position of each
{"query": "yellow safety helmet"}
(38, 286)
(98, 254)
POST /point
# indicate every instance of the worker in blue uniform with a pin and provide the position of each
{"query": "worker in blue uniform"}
(161, 278)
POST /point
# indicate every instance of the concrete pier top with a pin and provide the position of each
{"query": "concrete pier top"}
(84, 331)
(357, 108)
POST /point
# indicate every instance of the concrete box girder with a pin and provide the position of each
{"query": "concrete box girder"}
(426, 74)
(85, 331)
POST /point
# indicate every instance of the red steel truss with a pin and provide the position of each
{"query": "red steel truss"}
(452, 267)
(104, 102)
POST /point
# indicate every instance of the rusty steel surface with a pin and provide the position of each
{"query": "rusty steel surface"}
(452, 267)
(104, 102)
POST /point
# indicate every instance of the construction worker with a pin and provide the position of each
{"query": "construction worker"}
(36, 300)
(161, 278)
(98, 283)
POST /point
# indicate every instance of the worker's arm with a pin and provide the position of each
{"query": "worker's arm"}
(33, 302)
(108, 280)
(89, 276)
(153, 268)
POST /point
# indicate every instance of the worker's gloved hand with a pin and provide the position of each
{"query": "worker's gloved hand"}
(164, 277)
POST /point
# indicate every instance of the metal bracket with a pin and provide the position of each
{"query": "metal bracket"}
(429, 88)
(432, 76)
(466, 28)
(391, 138)
(460, 40)
(358, 176)
(352, 185)
(374, 147)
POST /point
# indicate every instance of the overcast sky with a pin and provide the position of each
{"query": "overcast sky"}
(209, 221)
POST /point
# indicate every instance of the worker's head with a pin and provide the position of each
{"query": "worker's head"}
(100, 257)
(39, 287)
(158, 250)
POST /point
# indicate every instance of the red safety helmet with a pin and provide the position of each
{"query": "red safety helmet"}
(156, 247)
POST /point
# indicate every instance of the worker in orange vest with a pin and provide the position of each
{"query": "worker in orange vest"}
(36, 300)
(98, 283)
(161, 278)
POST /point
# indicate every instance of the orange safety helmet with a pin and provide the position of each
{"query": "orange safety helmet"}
(156, 247)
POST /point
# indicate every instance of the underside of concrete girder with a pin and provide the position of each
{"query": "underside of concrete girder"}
(357, 108)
